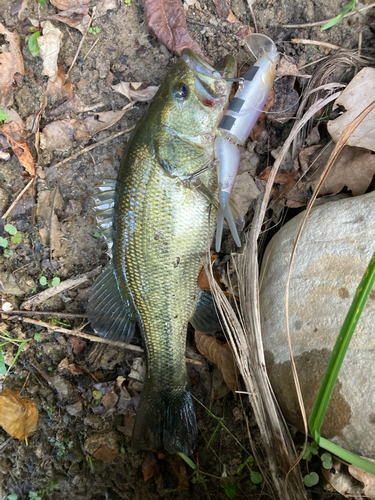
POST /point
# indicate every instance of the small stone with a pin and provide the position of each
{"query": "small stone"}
(75, 409)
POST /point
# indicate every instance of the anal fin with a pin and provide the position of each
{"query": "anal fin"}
(110, 310)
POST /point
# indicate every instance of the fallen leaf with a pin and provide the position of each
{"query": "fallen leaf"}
(58, 86)
(51, 232)
(110, 399)
(79, 345)
(104, 5)
(286, 100)
(68, 4)
(359, 94)
(49, 47)
(103, 446)
(105, 453)
(179, 470)
(137, 374)
(136, 91)
(354, 168)
(74, 104)
(366, 478)
(17, 142)
(244, 192)
(60, 135)
(76, 17)
(166, 20)
(221, 354)
(288, 67)
(339, 477)
(11, 63)
(72, 368)
(18, 417)
(149, 466)
(203, 282)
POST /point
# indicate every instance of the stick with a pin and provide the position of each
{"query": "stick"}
(315, 42)
(18, 198)
(94, 338)
(48, 313)
(53, 290)
(92, 46)
(320, 23)
(89, 148)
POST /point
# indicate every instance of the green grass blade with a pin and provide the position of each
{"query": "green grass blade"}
(22, 345)
(188, 461)
(347, 8)
(214, 433)
(337, 357)
(3, 369)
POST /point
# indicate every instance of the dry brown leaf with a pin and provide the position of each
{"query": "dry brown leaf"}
(18, 417)
(359, 94)
(68, 4)
(342, 481)
(15, 137)
(288, 67)
(179, 470)
(72, 368)
(60, 135)
(166, 20)
(354, 168)
(286, 100)
(51, 232)
(49, 47)
(136, 91)
(76, 17)
(290, 188)
(366, 478)
(58, 86)
(220, 354)
(105, 453)
(74, 104)
(149, 466)
(11, 64)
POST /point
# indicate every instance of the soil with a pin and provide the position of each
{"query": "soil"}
(73, 419)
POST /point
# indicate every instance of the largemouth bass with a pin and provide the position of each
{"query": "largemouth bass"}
(164, 220)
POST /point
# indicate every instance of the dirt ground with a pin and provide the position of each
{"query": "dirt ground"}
(73, 417)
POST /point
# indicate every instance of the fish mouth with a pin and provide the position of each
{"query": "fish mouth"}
(210, 83)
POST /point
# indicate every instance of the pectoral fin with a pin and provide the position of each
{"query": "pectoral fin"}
(205, 318)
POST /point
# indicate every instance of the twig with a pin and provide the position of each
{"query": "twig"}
(250, 4)
(360, 38)
(18, 198)
(24, 385)
(79, 48)
(91, 48)
(100, 143)
(313, 62)
(315, 42)
(320, 23)
(5, 444)
(94, 338)
(47, 313)
(53, 290)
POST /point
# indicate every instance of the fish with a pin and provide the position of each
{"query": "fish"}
(162, 214)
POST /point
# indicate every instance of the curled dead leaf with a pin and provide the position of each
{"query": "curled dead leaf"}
(136, 91)
(359, 94)
(11, 64)
(166, 20)
(51, 233)
(49, 47)
(17, 142)
(76, 17)
(354, 168)
(18, 417)
(221, 354)
(366, 478)
(149, 466)
(57, 86)
(72, 368)
(288, 67)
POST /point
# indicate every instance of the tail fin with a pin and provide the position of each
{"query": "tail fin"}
(165, 420)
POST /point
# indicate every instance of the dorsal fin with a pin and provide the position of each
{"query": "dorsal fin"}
(104, 199)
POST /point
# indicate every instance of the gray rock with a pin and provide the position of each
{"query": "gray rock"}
(335, 249)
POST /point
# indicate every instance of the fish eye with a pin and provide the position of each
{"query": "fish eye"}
(181, 91)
